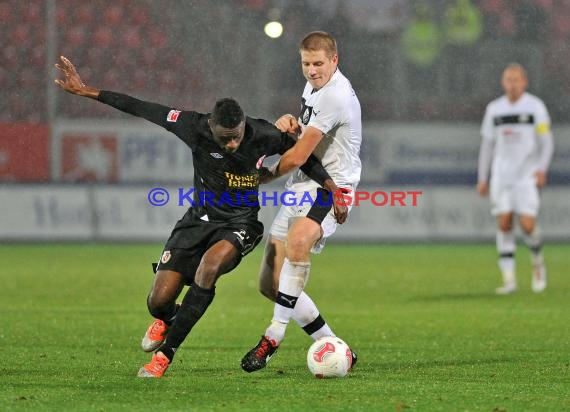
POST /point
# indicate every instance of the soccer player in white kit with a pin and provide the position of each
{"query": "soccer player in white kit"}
(516, 149)
(330, 127)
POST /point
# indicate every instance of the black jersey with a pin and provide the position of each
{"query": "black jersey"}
(225, 184)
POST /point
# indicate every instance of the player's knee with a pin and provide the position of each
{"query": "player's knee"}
(159, 305)
(527, 225)
(298, 247)
(505, 225)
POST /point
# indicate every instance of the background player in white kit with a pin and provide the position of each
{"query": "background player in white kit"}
(516, 147)
(330, 127)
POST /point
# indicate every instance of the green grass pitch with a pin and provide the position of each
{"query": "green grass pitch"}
(429, 332)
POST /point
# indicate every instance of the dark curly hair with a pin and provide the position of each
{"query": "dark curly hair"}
(227, 113)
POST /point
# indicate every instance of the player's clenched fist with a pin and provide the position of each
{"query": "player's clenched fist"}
(288, 123)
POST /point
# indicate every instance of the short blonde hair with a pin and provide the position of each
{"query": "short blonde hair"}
(516, 66)
(319, 40)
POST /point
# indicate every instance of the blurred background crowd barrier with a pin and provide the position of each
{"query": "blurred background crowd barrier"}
(423, 70)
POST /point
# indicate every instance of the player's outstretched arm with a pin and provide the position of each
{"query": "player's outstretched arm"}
(72, 83)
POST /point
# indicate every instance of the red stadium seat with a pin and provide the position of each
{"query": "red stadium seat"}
(6, 14)
(75, 37)
(3, 79)
(32, 13)
(38, 56)
(131, 37)
(20, 36)
(113, 15)
(61, 17)
(28, 78)
(139, 16)
(156, 38)
(10, 56)
(84, 14)
(149, 57)
(103, 37)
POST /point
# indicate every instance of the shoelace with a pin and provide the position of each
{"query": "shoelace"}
(158, 364)
(157, 328)
(264, 348)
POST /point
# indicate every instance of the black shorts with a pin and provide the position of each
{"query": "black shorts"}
(192, 237)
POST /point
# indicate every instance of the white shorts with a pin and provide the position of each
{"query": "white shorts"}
(522, 199)
(287, 214)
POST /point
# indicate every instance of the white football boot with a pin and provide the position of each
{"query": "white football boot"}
(538, 283)
(506, 289)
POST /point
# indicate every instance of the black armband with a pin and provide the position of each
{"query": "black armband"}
(315, 170)
(321, 207)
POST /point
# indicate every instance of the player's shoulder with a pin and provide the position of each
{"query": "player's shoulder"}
(256, 127)
(186, 123)
(176, 115)
(533, 99)
(338, 93)
(257, 123)
(497, 103)
(340, 86)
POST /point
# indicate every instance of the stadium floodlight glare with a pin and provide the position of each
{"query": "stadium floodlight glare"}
(273, 29)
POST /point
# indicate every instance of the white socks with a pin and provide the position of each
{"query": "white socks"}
(506, 247)
(534, 243)
(308, 317)
(294, 276)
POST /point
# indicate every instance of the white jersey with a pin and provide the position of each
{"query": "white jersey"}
(514, 129)
(334, 109)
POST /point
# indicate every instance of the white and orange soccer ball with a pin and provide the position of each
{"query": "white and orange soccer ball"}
(329, 357)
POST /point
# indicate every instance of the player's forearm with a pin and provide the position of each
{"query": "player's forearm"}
(330, 185)
(150, 111)
(546, 144)
(485, 158)
(292, 159)
(120, 101)
(87, 91)
(312, 168)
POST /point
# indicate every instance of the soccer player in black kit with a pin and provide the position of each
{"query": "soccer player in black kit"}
(221, 226)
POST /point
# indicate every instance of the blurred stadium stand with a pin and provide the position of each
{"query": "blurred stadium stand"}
(167, 52)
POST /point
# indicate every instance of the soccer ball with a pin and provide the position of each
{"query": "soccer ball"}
(329, 357)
